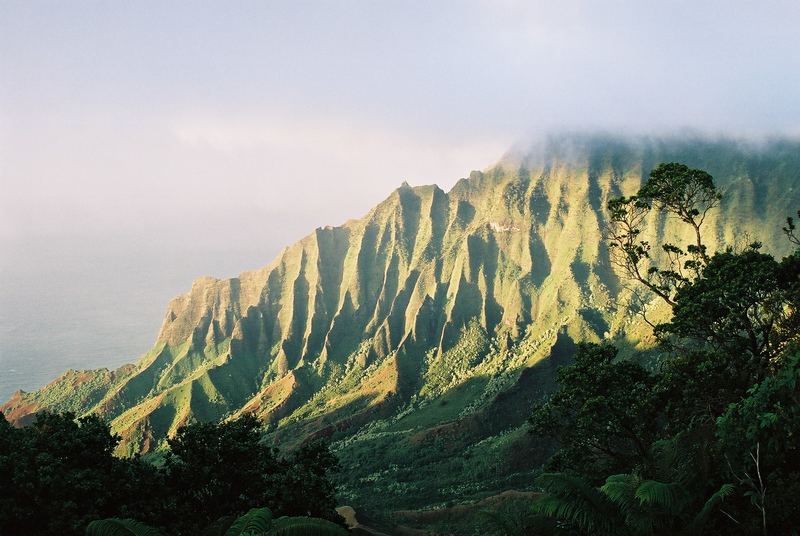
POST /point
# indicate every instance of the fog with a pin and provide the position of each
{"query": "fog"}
(143, 144)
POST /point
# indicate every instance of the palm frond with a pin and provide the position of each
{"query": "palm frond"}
(119, 527)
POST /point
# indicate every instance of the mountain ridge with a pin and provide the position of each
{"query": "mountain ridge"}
(432, 295)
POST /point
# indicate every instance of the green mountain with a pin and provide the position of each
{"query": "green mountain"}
(417, 336)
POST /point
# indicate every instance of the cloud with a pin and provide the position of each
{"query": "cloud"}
(116, 117)
(417, 157)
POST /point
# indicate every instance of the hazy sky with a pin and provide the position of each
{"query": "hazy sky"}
(201, 118)
(143, 144)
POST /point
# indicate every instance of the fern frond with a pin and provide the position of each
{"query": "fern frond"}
(256, 522)
(621, 490)
(119, 527)
(305, 526)
(570, 498)
(670, 497)
(219, 527)
(665, 454)
(503, 525)
(510, 519)
(709, 507)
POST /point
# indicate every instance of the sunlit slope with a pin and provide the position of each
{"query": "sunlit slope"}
(430, 292)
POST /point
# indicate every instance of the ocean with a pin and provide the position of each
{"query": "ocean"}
(93, 302)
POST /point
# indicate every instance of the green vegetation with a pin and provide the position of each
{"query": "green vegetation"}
(619, 391)
(304, 526)
(119, 527)
(418, 338)
(256, 522)
(62, 475)
(706, 443)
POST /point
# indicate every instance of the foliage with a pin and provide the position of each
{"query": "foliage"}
(687, 193)
(604, 415)
(573, 500)
(220, 468)
(729, 331)
(675, 190)
(724, 404)
(305, 526)
(256, 521)
(790, 229)
(307, 488)
(744, 303)
(628, 504)
(119, 527)
(64, 475)
(697, 386)
(759, 436)
(673, 495)
(513, 518)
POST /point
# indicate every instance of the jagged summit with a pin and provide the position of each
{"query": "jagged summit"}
(425, 293)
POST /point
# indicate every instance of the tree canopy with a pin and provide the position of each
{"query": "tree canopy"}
(705, 442)
(62, 475)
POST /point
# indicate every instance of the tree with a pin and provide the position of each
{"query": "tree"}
(724, 401)
(687, 193)
(672, 496)
(217, 469)
(58, 474)
(604, 415)
(222, 469)
(734, 319)
(759, 438)
(119, 527)
(744, 302)
(256, 522)
(673, 189)
(729, 330)
(306, 485)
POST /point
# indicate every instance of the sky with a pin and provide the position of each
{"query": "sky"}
(151, 142)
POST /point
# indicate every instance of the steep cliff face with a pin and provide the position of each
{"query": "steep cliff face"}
(429, 293)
